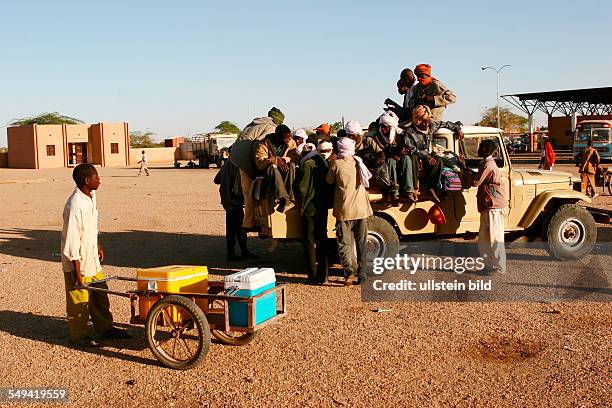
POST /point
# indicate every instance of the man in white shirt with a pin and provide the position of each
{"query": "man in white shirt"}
(81, 261)
(143, 164)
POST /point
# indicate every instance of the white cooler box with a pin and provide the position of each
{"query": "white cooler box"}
(250, 282)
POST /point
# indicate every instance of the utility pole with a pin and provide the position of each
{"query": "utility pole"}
(497, 71)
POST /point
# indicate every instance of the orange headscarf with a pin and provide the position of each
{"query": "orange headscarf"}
(324, 127)
(423, 69)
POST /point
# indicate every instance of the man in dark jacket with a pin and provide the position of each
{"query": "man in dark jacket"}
(230, 191)
(417, 140)
(317, 199)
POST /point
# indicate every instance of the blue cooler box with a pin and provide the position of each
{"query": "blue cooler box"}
(251, 282)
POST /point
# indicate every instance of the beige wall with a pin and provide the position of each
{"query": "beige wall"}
(51, 135)
(114, 133)
(3, 160)
(154, 155)
(21, 154)
(101, 138)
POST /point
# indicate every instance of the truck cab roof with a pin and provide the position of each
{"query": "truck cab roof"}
(472, 130)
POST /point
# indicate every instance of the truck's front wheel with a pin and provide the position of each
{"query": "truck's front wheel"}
(571, 232)
(382, 238)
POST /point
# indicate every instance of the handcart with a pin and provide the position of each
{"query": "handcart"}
(178, 327)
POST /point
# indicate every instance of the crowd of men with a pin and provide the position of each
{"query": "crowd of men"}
(271, 164)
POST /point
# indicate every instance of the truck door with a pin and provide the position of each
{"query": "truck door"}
(466, 209)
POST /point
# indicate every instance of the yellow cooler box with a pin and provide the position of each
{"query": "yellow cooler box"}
(170, 279)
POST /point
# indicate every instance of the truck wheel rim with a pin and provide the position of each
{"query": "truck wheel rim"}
(376, 245)
(571, 233)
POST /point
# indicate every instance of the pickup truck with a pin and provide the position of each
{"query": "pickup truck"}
(541, 205)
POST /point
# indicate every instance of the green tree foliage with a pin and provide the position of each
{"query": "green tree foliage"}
(140, 140)
(335, 127)
(510, 122)
(49, 118)
(227, 127)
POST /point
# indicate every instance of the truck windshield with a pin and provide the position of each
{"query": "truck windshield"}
(597, 134)
(224, 142)
(471, 150)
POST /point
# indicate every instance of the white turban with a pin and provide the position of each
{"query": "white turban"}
(325, 146)
(390, 119)
(309, 147)
(311, 152)
(346, 148)
(301, 133)
(353, 128)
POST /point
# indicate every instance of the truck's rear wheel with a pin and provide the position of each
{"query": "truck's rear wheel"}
(382, 238)
(571, 232)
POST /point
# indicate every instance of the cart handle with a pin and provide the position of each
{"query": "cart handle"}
(89, 287)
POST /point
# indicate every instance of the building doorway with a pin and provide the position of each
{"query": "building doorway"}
(77, 153)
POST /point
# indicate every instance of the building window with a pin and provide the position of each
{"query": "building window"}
(114, 148)
(50, 150)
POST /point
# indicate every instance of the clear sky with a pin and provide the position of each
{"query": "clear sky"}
(178, 68)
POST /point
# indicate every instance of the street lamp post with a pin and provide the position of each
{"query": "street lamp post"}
(497, 71)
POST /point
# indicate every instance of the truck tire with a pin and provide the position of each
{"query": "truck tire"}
(204, 161)
(571, 232)
(383, 240)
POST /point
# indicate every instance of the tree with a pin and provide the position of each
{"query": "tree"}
(510, 122)
(227, 127)
(335, 127)
(140, 140)
(49, 118)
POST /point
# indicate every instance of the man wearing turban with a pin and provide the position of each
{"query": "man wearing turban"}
(322, 132)
(430, 92)
(351, 204)
(399, 163)
(242, 156)
(276, 157)
(417, 140)
(316, 198)
(299, 137)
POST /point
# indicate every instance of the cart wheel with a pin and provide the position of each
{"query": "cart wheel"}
(234, 338)
(180, 343)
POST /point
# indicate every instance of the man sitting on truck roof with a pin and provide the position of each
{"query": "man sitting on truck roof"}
(430, 92)
(242, 156)
(275, 157)
(398, 162)
(417, 140)
(405, 87)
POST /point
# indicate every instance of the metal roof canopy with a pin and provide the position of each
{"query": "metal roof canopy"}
(590, 101)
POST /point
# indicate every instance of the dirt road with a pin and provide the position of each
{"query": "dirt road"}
(331, 349)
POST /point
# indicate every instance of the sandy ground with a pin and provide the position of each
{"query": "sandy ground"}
(330, 350)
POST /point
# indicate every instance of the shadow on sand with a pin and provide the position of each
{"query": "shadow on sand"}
(54, 331)
(146, 249)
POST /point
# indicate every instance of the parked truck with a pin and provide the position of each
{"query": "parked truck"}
(600, 132)
(212, 148)
(541, 204)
